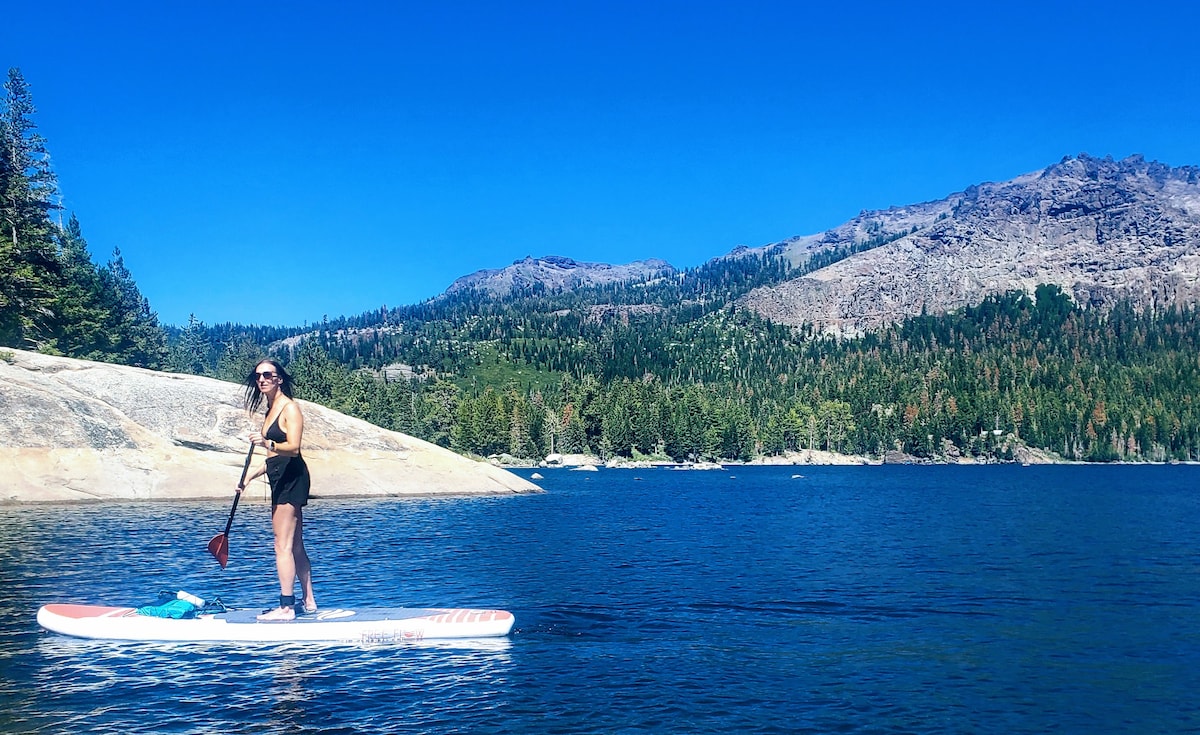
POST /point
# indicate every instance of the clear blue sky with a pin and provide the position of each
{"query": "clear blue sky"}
(272, 162)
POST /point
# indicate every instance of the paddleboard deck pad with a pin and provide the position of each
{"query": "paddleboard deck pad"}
(365, 625)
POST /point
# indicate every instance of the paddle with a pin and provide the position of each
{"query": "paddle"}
(219, 545)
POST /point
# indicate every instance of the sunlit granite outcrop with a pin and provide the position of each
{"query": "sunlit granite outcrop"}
(77, 430)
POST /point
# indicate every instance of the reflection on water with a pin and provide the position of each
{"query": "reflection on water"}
(286, 687)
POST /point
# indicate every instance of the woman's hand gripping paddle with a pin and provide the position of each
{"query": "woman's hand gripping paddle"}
(219, 545)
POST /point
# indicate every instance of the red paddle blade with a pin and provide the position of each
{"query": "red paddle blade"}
(219, 547)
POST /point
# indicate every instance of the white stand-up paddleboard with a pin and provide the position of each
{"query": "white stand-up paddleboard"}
(365, 625)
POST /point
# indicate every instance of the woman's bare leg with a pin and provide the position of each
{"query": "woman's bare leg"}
(285, 522)
(300, 562)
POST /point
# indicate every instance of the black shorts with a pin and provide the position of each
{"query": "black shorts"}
(289, 480)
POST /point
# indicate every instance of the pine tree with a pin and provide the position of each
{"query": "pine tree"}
(81, 318)
(520, 435)
(436, 412)
(136, 337)
(190, 354)
(238, 357)
(30, 271)
(31, 188)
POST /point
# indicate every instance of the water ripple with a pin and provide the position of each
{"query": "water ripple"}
(863, 600)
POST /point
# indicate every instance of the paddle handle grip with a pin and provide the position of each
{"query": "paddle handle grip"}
(246, 466)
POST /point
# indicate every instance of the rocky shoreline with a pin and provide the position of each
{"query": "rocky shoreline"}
(810, 457)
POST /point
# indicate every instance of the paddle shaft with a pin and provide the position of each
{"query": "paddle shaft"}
(241, 485)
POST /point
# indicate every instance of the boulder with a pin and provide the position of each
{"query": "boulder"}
(569, 460)
(895, 456)
(79, 430)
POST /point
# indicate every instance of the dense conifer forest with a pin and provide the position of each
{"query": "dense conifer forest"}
(668, 369)
(526, 376)
(52, 296)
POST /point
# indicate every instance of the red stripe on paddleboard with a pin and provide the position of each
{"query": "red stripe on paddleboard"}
(469, 616)
(79, 612)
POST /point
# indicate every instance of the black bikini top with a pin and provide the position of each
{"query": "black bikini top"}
(275, 433)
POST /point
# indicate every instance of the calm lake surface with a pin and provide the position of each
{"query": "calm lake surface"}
(997, 599)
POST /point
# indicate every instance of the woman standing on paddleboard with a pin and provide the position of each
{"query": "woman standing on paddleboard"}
(283, 429)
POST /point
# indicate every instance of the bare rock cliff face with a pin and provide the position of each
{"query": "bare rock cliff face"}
(1100, 229)
(78, 430)
(556, 273)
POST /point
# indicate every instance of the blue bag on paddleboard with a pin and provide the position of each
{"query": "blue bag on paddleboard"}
(170, 609)
(176, 605)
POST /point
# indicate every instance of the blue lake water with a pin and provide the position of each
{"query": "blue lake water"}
(996, 599)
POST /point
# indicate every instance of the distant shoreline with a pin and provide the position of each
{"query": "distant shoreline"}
(810, 458)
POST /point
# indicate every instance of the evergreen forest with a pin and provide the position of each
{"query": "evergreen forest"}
(670, 369)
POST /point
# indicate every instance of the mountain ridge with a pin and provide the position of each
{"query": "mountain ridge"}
(1100, 229)
(556, 273)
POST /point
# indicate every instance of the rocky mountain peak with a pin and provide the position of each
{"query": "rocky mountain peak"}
(1101, 229)
(557, 273)
(1106, 169)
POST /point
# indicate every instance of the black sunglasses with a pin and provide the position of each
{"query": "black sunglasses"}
(269, 375)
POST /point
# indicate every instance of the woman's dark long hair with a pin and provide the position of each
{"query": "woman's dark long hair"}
(254, 396)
